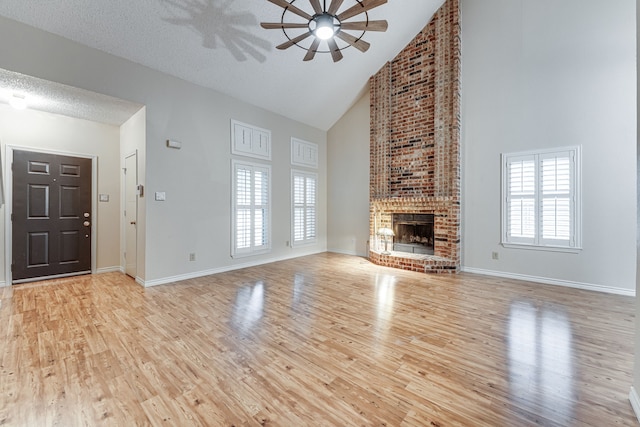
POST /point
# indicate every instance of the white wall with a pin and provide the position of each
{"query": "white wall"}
(37, 130)
(196, 216)
(348, 181)
(633, 395)
(550, 73)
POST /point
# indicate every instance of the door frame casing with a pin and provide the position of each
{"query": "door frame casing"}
(8, 203)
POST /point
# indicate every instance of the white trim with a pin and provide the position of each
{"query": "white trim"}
(529, 247)
(300, 148)
(635, 402)
(3, 284)
(113, 269)
(196, 274)
(8, 206)
(239, 150)
(550, 281)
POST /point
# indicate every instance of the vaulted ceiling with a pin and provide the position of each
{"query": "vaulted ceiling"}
(219, 44)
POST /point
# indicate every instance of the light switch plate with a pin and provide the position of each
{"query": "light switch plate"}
(104, 197)
(161, 196)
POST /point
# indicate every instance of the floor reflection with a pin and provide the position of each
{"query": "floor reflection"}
(541, 360)
(298, 289)
(248, 307)
(385, 295)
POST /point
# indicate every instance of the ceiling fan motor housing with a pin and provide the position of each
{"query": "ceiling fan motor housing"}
(324, 25)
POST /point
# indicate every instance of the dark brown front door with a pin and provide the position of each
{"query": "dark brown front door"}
(51, 219)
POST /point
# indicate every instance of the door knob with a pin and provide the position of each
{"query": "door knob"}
(86, 214)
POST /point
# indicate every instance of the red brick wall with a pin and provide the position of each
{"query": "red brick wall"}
(415, 136)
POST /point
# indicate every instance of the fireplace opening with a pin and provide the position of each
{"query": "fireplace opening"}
(413, 233)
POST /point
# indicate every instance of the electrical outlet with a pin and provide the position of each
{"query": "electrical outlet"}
(495, 255)
(192, 256)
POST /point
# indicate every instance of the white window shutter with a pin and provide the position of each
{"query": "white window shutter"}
(541, 199)
(303, 209)
(251, 204)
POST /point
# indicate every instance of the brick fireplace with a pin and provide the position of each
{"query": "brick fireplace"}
(415, 143)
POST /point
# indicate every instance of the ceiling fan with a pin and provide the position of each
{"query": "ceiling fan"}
(326, 25)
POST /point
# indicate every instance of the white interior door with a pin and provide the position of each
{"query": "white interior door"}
(131, 214)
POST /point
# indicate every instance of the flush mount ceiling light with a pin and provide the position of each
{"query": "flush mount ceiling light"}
(326, 25)
(18, 102)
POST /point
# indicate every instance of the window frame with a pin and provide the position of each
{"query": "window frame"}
(253, 249)
(538, 242)
(306, 240)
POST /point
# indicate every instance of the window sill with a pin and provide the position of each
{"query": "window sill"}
(248, 254)
(542, 248)
(304, 243)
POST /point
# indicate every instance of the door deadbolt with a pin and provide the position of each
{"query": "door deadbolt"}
(86, 214)
(86, 223)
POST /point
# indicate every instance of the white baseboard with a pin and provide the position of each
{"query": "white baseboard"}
(113, 269)
(635, 402)
(549, 281)
(195, 274)
(343, 252)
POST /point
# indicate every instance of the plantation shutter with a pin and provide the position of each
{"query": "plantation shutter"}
(298, 208)
(556, 194)
(303, 207)
(521, 199)
(251, 206)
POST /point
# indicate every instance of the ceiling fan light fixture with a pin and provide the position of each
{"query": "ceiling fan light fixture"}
(324, 26)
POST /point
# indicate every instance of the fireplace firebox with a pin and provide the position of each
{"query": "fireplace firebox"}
(413, 233)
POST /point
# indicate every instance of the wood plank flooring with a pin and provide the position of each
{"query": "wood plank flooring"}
(323, 340)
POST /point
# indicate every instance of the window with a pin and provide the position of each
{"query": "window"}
(303, 197)
(540, 203)
(251, 208)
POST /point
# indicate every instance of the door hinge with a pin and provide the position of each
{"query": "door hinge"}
(124, 255)
(13, 267)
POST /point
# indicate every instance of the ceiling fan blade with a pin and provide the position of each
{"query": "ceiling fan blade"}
(286, 5)
(334, 6)
(335, 52)
(281, 25)
(317, 7)
(293, 41)
(359, 44)
(365, 26)
(312, 50)
(359, 8)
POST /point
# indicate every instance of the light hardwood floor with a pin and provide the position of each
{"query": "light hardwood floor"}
(321, 340)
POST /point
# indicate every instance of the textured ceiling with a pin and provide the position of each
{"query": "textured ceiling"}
(57, 98)
(219, 44)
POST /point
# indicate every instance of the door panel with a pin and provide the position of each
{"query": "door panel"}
(131, 215)
(51, 219)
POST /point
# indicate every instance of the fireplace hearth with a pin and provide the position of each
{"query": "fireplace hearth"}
(413, 233)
